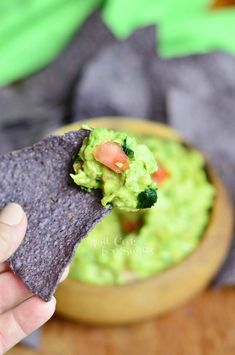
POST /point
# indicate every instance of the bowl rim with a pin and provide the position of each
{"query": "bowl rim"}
(206, 239)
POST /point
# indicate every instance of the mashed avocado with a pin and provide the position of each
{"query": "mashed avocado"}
(121, 167)
(127, 246)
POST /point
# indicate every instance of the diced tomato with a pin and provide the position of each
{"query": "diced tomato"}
(112, 155)
(131, 226)
(160, 175)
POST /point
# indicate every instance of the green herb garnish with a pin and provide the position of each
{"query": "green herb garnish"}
(85, 189)
(147, 198)
(129, 152)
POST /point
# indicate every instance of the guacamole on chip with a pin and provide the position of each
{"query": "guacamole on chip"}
(122, 168)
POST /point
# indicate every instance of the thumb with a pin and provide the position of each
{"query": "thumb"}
(13, 225)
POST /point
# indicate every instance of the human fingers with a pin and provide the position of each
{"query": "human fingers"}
(13, 291)
(19, 322)
(13, 224)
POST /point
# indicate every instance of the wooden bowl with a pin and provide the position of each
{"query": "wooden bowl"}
(167, 290)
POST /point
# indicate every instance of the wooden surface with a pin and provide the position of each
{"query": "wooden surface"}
(222, 3)
(205, 326)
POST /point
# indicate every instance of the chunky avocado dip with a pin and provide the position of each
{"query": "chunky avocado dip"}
(128, 246)
(121, 167)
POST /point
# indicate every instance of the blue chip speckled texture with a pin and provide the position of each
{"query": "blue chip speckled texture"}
(59, 213)
(116, 80)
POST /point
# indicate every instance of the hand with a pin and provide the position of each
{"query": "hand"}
(20, 312)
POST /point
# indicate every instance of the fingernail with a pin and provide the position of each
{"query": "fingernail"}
(12, 214)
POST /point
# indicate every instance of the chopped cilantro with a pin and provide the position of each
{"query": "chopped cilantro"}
(129, 152)
(85, 189)
(147, 198)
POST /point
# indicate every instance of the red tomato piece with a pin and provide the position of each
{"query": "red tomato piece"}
(130, 226)
(160, 175)
(111, 155)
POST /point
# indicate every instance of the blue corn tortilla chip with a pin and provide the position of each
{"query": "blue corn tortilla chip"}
(203, 75)
(226, 274)
(144, 40)
(40, 103)
(33, 340)
(23, 120)
(54, 84)
(114, 83)
(59, 213)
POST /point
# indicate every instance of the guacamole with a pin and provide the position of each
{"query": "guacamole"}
(121, 167)
(129, 246)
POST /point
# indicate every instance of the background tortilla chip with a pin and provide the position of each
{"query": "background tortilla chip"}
(116, 83)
